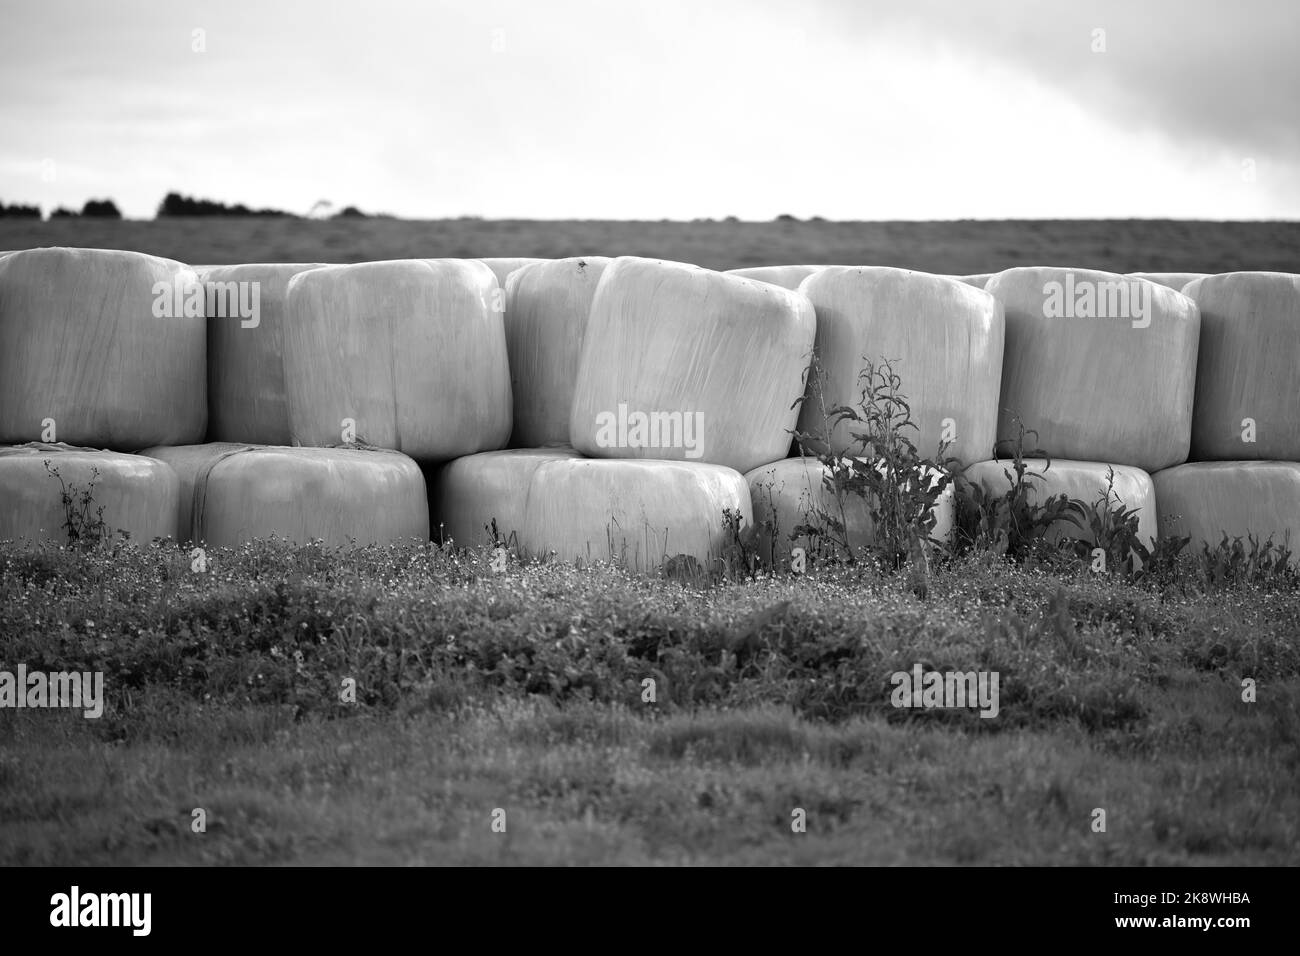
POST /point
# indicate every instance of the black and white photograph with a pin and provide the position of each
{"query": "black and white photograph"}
(572, 434)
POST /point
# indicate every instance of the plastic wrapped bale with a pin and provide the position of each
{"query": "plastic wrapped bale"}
(793, 493)
(501, 268)
(343, 496)
(943, 339)
(245, 309)
(1082, 480)
(406, 354)
(684, 364)
(1248, 375)
(979, 280)
(1173, 280)
(1207, 500)
(139, 496)
(1100, 365)
(189, 462)
(100, 348)
(787, 277)
(636, 513)
(467, 495)
(547, 306)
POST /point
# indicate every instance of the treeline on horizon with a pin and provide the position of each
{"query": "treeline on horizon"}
(174, 205)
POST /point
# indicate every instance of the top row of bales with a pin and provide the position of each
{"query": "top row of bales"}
(638, 358)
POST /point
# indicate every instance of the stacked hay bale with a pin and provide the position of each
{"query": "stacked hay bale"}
(1243, 478)
(654, 384)
(592, 408)
(101, 353)
(1099, 374)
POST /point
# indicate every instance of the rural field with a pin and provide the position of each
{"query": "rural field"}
(955, 248)
(430, 704)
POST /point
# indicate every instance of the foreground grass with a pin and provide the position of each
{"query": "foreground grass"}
(522, 692)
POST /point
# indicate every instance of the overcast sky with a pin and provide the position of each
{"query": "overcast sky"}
(847, 109)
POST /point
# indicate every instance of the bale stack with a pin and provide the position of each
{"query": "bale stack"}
(101, 353)
(641, 399)
(654, 383)
(1243, 478)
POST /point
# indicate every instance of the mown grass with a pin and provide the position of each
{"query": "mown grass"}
(523, 691)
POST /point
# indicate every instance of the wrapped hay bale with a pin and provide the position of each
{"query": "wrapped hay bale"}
(547, 306)
(139, 496)
(1207, 500)
(683, 364)
(1248, 374)
(468, 494)
(944, 340)
(406, 354)
(1102, 366)
(234, 494)
(636, 513)
(100, 348)
(245, 310)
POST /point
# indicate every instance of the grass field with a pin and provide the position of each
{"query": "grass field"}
(954, 248)
(523, 692)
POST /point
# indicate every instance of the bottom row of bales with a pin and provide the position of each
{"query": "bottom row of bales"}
(553, 501)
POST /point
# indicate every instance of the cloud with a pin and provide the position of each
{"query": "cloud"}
(670, 108)
(1222, 73)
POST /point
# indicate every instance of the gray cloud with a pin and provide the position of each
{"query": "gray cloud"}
(1224, 74)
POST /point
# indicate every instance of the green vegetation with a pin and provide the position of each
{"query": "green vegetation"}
(523, 690)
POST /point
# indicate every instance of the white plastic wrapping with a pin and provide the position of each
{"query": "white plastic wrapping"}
(1206, 500)
(638, 513)
(233, 494)
(138, 495)
(406, 354)
(684, 364)
(943, 337)
(547, 307)
(1248, 374)
(1102, 366)
(98, 348)
(246, 399)
(468, 494)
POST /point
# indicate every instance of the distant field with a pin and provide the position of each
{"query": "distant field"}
(942, 247)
